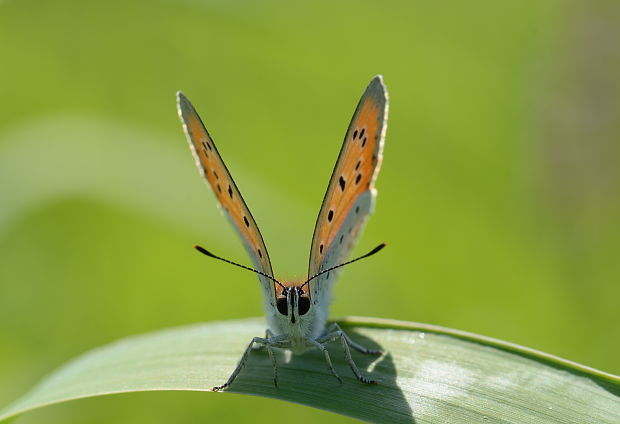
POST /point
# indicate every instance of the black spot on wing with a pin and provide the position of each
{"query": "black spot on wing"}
(342, 183)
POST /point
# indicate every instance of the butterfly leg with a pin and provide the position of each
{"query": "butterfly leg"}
(344, 339)
(242, 362)
(335, 328)
(328, 360)
(270, 335)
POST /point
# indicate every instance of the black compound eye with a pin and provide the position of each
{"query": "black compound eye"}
(282, 306)
(304, 305)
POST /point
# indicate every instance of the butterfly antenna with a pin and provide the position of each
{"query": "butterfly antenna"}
(211, 255)
(372, 252)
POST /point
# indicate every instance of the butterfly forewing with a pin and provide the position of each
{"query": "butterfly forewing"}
(213, 169)
(350, 193)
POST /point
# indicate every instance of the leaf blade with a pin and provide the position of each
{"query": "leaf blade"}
(429, 374)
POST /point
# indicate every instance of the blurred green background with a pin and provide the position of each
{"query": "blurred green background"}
(498, 198)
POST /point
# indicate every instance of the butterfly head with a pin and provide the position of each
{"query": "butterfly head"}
(293, 302)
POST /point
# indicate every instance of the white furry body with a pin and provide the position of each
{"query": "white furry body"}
(299, 336)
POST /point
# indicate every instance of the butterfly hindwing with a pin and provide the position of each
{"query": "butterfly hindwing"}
(350, 193)
(213, 169)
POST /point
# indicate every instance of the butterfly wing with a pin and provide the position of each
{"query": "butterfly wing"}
(350, 193)
(213, 169)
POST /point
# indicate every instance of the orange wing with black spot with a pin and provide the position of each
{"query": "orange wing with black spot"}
(213, 169)
(350, 194)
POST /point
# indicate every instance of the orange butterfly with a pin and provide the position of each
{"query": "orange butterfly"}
(297, 311)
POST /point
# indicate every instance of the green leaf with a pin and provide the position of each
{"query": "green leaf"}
(427, 375)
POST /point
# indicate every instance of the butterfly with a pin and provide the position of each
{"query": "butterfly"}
(296, 312)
